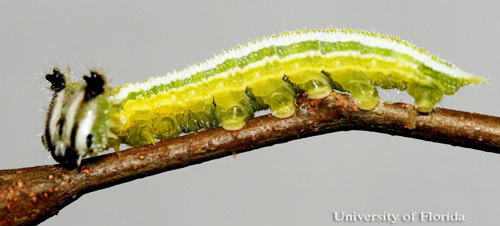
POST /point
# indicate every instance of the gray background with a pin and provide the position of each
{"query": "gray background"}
(298, 183)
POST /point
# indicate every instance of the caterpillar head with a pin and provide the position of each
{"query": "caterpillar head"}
(76, 123)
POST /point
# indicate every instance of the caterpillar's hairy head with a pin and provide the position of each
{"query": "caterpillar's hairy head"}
(76, 123)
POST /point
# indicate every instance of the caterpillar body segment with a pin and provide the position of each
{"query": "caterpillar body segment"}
(315, 84)
(276, 94)
(228, 89)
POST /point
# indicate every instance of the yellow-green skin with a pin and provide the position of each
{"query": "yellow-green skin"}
(270, 77)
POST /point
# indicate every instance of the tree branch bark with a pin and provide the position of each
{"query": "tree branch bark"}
(31, 195)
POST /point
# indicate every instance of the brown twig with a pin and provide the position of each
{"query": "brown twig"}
(31, 195)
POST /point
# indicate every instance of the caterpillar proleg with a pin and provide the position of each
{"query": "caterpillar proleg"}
(87, 117)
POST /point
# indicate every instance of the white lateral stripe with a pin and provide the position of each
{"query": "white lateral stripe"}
(287, 39)
(304, 54)
(289, 57)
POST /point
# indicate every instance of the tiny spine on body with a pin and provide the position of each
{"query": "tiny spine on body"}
(227, 89)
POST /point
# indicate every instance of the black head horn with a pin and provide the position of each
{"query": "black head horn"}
(95, 85)
(57, 80)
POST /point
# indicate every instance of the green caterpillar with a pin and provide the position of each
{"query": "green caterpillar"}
(85, 118)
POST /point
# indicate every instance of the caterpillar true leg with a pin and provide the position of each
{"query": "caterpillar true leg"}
(140, 134)
(165, 128)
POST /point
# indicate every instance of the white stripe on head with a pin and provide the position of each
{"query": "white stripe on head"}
(84, 128)
(56, 115)
(70, 116)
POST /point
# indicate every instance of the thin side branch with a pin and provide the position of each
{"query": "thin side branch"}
(31, 195)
